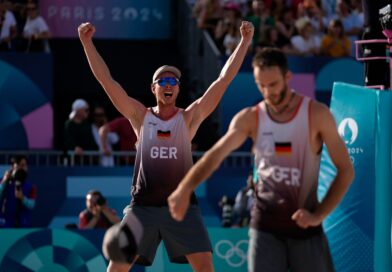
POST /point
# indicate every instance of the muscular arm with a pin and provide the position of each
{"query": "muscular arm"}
(326, 126)
(127, 106)
(240, 128)
(103, 136)
(340, 158)
(202, 107)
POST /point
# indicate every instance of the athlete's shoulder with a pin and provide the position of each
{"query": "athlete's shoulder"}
(248, 112)
(320, 115)
(246, 119)
(318, 108)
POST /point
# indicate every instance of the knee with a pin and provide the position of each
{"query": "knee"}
(118, 267)
(204, 266)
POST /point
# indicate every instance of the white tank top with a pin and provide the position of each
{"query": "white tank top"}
(163, 157)
(287, 171)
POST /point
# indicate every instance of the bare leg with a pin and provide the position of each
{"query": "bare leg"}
(201, 262)
(120, 267)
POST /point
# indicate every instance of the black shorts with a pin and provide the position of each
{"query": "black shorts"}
(268, 252)
(180, 238)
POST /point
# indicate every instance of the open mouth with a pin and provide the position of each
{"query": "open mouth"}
(168, 94)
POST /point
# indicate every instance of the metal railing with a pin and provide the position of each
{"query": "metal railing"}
(92, 158)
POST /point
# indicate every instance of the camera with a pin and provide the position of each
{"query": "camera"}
(385, 15)
(18, 185)
(19, 175)
(101, 200)
(96, 198)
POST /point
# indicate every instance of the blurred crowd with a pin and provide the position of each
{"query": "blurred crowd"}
(22, 28)
(82, 133)
(299, 27)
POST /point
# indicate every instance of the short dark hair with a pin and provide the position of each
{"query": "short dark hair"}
(94, 193)
(268, 57)
(18, 158)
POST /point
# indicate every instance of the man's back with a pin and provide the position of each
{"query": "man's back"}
(78, 134)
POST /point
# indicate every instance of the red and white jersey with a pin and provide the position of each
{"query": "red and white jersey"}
(287, 171)
(163, 157)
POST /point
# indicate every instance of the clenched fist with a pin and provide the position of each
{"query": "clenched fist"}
(86, 31)
(247, 30)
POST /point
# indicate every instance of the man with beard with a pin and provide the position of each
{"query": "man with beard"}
(288, 131)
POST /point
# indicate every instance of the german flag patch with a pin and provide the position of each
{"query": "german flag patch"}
(283, 149)
(163, 134)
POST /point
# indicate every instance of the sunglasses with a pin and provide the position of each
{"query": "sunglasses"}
(172, 81)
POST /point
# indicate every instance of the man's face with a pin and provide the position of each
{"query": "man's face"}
(166, 94)
(99, 116)
(272, 84)
(21, 165)
(91, 201)
(83, 113)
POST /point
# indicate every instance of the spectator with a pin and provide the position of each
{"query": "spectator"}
(270, 38)
(357, 11)
(19, 10)
(207, 13)
(7, 27)
(231, 19)
(97, 214)
(36, 31)
(254, 16)
(112, 138)
(226, 204)
(335, 43)
(352, 22)
(277, 7)
(305, 43)
(232, 38)
(328, 7)
(17, 195)
(311, 11)
(243, 203)
(78, 135)
(127, 137)
(286, 27)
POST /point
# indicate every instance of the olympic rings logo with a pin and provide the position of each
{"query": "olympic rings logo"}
(234, 255)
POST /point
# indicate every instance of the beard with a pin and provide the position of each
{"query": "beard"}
(282, 95)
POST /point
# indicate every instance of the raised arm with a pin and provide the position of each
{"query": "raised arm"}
(127, 106)
(238, 132)
(103, 138)
(345, 173)
(206, 104)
